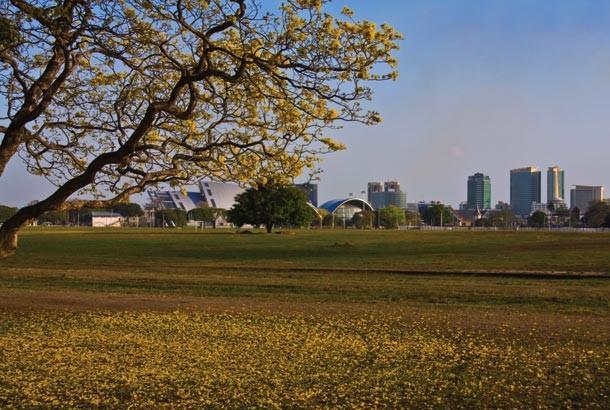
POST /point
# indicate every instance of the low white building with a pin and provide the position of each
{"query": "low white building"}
(101, 219)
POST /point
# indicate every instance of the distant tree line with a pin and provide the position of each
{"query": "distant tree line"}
(284, 206)
(6, 212)
(78, 216)
(598, 215)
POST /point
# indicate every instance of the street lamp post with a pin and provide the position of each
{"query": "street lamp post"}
(364, 209)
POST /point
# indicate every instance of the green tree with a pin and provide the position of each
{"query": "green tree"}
(54, 218)
(412, 218)
(537, 219)
(207, 214)
(271, 205)
(6, 212)
(595, 217)
(437, 214)
(364, 219)
(171, 217)
(391, 217)
(498, 218)
(128, 210)
(114, 97)
(575, 217)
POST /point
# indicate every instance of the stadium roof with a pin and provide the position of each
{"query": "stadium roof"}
(213, 194)
(332, 205)
(219, 194)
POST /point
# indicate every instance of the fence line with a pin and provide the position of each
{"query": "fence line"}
(498, 229)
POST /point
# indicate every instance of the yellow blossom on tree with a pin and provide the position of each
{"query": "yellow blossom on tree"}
(124, 95)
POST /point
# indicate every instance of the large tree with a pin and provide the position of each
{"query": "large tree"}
(175, 218)
(437, 214)
(595, 217)
(207, 214)
(128, 209)
(108, 98)
(537, 220)
(391, 217)
(271, 205)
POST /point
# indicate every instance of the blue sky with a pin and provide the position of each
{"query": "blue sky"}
(485, 86)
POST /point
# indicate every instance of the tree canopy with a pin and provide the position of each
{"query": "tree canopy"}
(6, 212)
(597, 214)
(271, 205)
(207, 214)
(437, 214)
(364, 219)
(391, 217)
(537, 220)
(499, 218)
(108, 98)
(128, 210)
(54, 218)
(174, 218)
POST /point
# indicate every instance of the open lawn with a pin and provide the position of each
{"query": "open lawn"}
(426, 251)
(305, 319)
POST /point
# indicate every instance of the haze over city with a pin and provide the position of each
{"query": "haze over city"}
(484, 87)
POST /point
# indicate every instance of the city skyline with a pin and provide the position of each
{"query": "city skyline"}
(484, 87)
(366, 193)
(493, 84)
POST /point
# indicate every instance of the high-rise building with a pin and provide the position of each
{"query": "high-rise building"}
(582, 195)
(524, 189)
(391, 186)
(391, 195)
(479, 192)
(371, 189)
(554, 185)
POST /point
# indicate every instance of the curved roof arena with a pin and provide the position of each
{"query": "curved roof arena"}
(332, 205)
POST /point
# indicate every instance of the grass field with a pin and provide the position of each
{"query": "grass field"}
(305, 319)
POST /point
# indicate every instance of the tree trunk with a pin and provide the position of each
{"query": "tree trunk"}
(8, 242)
(10, 228)
(9, 233)
(269, 227)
